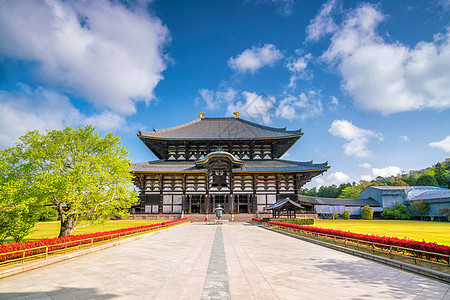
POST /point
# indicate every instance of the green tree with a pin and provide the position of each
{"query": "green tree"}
(426, 180)
(83, 175)
(439, 175)
(346, 215)
(398, 212)
(19, 205)
(350, 192)
(399, 183)
(367, 213)
(420, 207)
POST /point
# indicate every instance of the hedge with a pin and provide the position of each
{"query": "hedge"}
(297, 221)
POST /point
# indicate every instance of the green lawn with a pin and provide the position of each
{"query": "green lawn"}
(51, 229)
(438, 232)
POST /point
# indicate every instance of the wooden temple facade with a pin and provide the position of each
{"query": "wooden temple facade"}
(228, 161)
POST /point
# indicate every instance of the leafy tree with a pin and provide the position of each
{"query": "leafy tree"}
(445, 212)
(19, 205)
(420, 207)
(83, 175)
(410, 180)
(399, 183)
(439, 175)
(350, 192)
(48, 214)
(426, 180)
(367, 213)
(398, 212)
(346, 215)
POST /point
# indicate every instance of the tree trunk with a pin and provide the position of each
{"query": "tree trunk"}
(68, 224)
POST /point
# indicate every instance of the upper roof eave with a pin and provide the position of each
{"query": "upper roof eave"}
(219, 129)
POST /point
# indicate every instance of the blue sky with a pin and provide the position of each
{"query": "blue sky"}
(368, 82)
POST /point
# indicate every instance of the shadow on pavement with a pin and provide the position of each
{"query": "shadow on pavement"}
(60, 293)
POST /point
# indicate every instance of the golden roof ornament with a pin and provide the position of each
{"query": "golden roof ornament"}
(200, 115)
(237, 115)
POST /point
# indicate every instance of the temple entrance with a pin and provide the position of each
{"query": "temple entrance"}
(196, 204)
(215, 200)
(242, 203)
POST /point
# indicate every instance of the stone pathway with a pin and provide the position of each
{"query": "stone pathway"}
(241, 260)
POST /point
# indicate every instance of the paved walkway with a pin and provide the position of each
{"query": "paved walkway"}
(239, 261)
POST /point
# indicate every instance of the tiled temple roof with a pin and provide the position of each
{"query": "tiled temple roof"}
(220, 128)
(254, 166)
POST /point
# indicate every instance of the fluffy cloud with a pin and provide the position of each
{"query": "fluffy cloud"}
(389, 77)
(253, 59)
(365, 165)
(303, 106)
(42, 109)
(99, 50)
(357, 138)
(256, 107)
(444, 144)
(214, 99)
(403, 138)
(333, 178)
(297, 67)
(383, 172)
(323, 23)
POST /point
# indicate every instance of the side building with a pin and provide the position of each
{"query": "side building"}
(386, 196)
(228, 161)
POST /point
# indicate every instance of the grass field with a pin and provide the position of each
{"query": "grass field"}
(51, 229)
(438, 232)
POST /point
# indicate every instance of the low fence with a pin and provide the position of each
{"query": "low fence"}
(391, 250)
(40, 252)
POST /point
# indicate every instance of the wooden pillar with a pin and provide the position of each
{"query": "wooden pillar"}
(189, 203)
(161, 188)
(207, 203)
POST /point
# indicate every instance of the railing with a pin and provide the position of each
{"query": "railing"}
(23, 255)
(391, 250)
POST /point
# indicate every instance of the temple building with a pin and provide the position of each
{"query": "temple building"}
(228, 161)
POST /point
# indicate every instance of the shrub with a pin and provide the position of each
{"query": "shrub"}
(335, 216)
(346, 215)
(297, 221)
(398, 212)
(367, 213)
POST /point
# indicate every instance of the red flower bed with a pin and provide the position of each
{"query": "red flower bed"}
(73, 240)
(256, 220)
(387, 240)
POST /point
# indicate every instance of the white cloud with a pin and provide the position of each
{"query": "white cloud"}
(383, 172)
(253, 59)
(284, 7)
(42, 109)
(444, 144)
(330, 179)
(403, 138)
(389, 77)
(303, 106)
(333, 104)
(98, 50)
(297, 67)
(256, 107)
(214, 99)
(357, 138)
(323, 23)
(365, 165)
